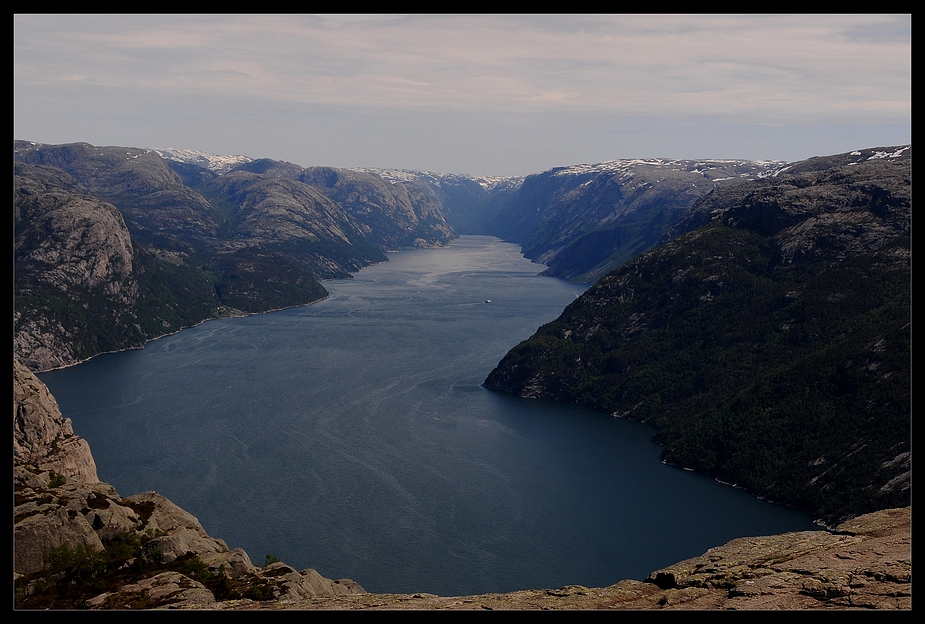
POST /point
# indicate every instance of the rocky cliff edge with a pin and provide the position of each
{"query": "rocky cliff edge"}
(865, 564)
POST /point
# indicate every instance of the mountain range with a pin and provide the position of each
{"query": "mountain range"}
(115, 246)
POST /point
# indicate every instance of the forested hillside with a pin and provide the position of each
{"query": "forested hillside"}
(768, 341)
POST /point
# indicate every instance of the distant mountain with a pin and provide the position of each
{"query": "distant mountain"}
(468, 202)
(768, 340)
(396, 214)
(114, 246)
(585, 220)
(581, 221)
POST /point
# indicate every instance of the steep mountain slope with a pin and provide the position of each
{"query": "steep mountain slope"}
(292, 219)
(156, 205)
(403, 214)
(394, 213)
(768, 341)
(584, 220)
(75, 271)
(115, 246)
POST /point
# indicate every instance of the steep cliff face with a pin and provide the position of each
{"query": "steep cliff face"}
(403, 214)
(42, 438)
(74, 271)
(768, 341)
(583, 221)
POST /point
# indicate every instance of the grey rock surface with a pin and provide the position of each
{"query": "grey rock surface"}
(41, 436)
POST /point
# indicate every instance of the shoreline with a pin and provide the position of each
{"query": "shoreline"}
(174, 333)
(241, 313)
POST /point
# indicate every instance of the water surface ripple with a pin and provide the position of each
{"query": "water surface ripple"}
(353, 436)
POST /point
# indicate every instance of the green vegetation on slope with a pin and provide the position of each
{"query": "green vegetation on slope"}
(786, 375)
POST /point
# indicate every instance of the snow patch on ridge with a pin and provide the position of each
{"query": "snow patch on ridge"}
(213, 162)
(625, 167)
(411, 175)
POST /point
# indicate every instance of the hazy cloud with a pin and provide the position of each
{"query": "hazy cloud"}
(756, 70)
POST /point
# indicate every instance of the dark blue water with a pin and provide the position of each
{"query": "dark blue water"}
(353, 436)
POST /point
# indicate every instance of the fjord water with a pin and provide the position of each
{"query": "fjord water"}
(353, 436)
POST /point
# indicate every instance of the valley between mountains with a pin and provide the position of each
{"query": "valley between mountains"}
(757, 314)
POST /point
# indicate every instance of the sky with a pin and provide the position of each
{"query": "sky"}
(477, 94)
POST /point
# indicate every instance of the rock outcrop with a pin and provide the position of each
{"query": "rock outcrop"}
(42, 437)
(865, 564)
